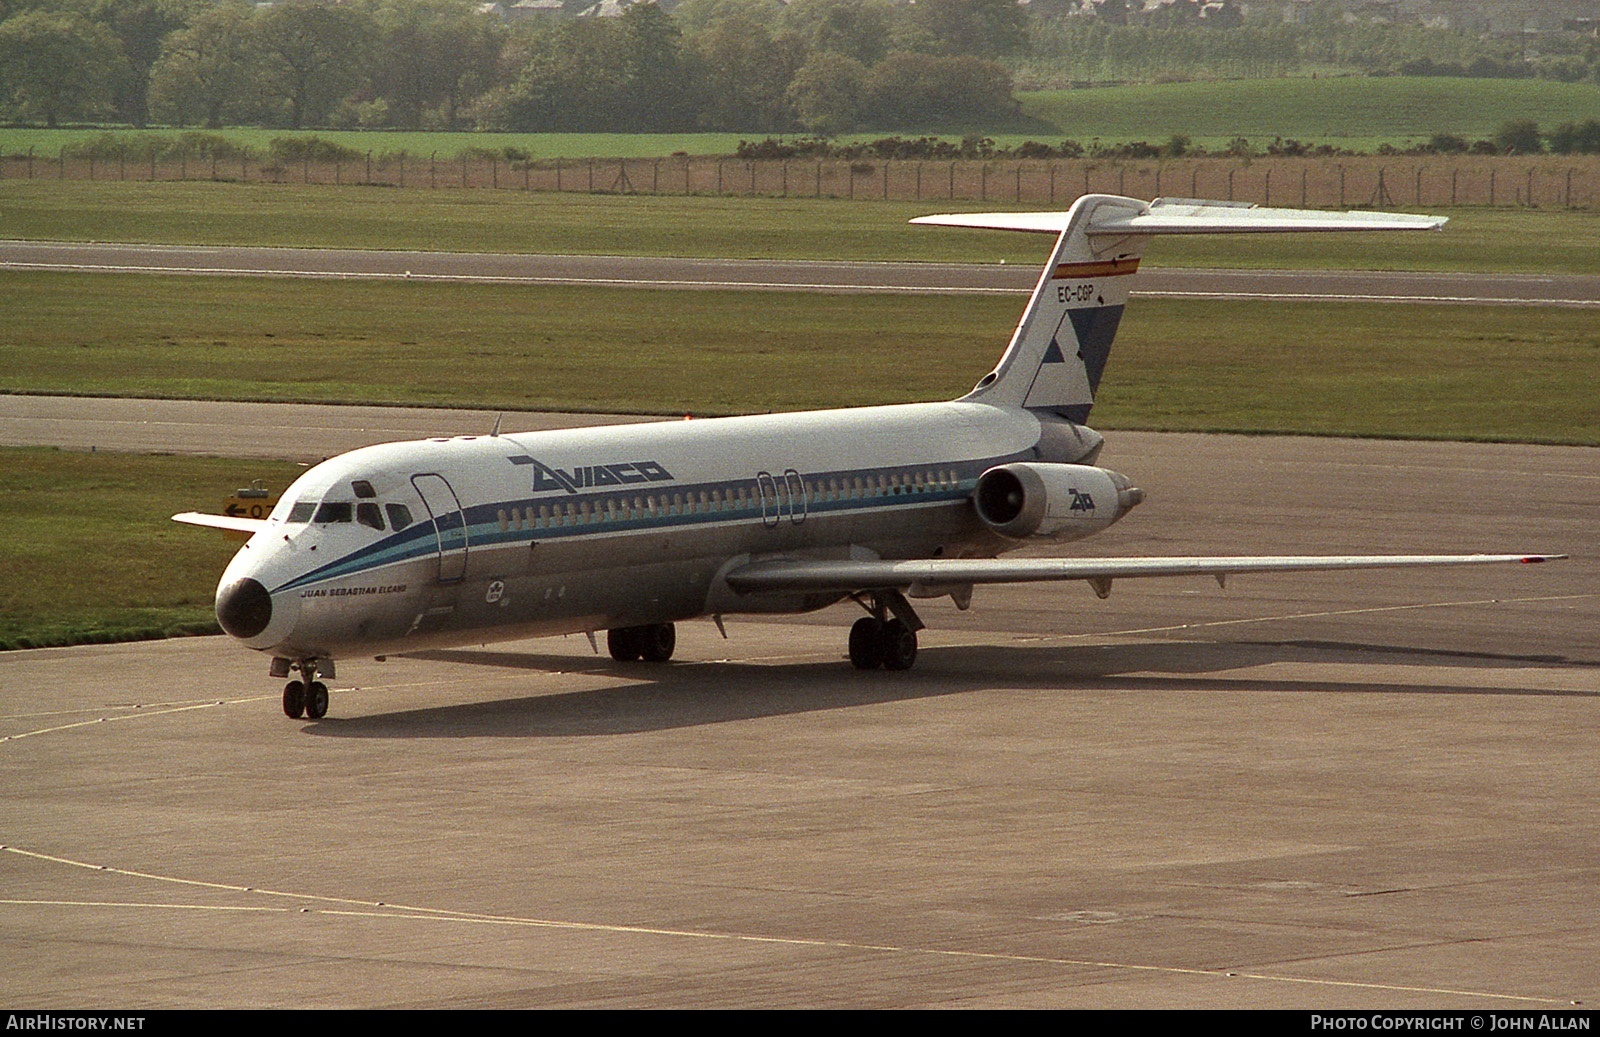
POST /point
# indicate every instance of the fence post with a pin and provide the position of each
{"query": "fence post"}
(952, 181)
(655, 176)
(30, 163)
(369, 168)
(1194, 183)
(1053, 183)
(244, 166)
(183, 166)
(1122, 179)
(719, 177)
(886, 180)
(1269, 187)
(1303, 186)
(1491, 186)
(919, 180)
(1453, 173)
(1230, 185)
(433, 169)
(305, 169)
(1419, 185)
(464, 172)
(785, 165)
(1341, 187)
(983, 182)
(213, 165)
(558, 177)
(338, 172)
(1530, 187)
(91, 166)
(494, 172)
(122, 163)
(1568, 202)
(1019, 181)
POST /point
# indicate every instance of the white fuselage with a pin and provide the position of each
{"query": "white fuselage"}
(598, 528)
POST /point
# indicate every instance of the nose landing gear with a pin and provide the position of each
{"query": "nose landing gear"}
(308, 697)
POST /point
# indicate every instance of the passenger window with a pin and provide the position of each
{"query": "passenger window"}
(367, 514)
(334, 511)
(399, 516)
(301, 512)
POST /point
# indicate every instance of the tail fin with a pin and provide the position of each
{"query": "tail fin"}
(1061, 345)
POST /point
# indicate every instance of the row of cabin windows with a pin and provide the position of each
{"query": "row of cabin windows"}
(705, 502)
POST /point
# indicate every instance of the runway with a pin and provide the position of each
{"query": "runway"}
(1341, 790)
(791, 275)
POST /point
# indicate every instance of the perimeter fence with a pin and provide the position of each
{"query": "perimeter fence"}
(1344, 182)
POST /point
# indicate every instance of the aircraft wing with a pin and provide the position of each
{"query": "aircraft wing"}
(849, 576)
(239, 525)
(1189, 216)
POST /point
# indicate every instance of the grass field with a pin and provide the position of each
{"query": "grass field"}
(771, 228)
(1341, 368)
(1351, 112)
(88, 552)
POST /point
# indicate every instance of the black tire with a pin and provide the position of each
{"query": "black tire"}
(623, 644)
(898, 647)
(866, 644)
(317, 700)
(294, 700)
(657, 641)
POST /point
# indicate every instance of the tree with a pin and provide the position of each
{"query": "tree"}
(58, 65)
(926, 91)
(743, 73)
(140, 26)
(984, 28)
(311, 57)
(434, 55)
(829, 92)
(856, 28)
(1519, 137)
(206, 72)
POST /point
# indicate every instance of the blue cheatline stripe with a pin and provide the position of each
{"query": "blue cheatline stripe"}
(483, 520)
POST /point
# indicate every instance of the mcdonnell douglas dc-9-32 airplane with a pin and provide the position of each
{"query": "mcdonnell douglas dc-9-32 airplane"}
(629, 529)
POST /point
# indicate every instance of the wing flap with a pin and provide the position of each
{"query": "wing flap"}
(847, 576)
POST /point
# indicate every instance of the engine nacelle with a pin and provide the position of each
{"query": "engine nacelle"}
(1061, 501)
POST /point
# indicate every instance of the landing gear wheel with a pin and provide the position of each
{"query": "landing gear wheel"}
(317, 700)
(657, 641)
(866, 643)
(898, 645)
(294, 699)
(623, 644)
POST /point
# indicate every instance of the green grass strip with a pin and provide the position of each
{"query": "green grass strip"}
(89, 554)
(1487, 240)
(1451, 372)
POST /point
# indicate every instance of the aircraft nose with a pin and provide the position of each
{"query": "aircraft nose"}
(244, 608)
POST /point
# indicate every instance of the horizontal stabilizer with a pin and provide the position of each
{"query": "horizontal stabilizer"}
(238, 525)
(1190, 216)
(850, 576)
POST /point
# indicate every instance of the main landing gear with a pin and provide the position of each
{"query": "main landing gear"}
(653, 642)
(887, 637)
(307, 697)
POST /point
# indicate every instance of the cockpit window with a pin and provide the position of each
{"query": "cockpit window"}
(399, 516)
(363, 489)
(367, 514)
(334, 511)
(302, 511)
